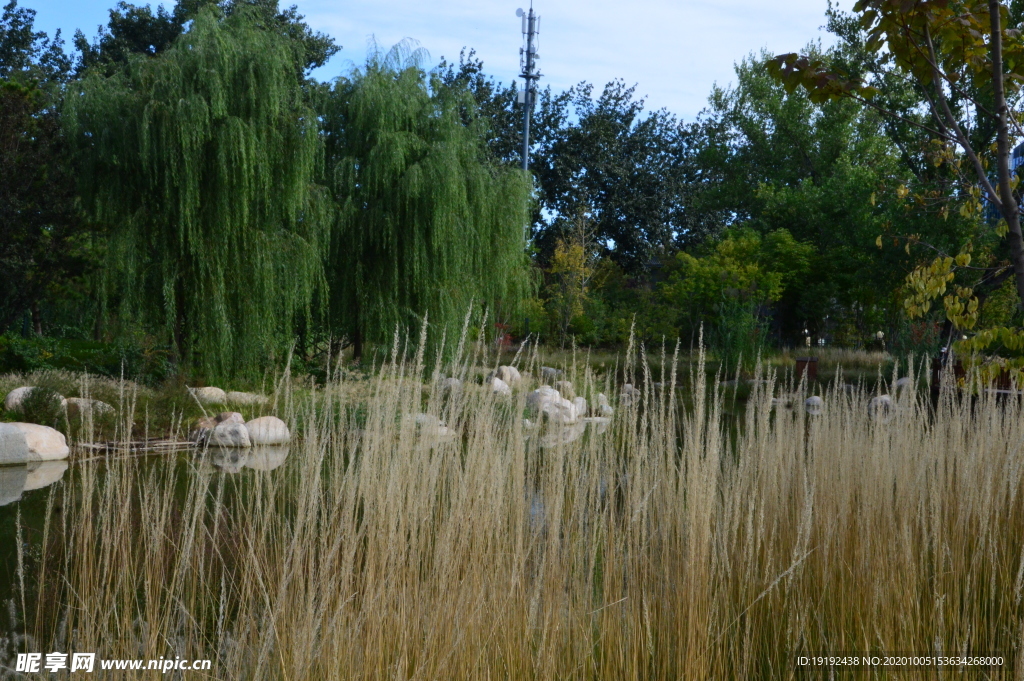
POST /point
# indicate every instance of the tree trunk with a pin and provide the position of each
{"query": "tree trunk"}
(1009, 208)
(180, 323)
(357, 345)
(37, 319)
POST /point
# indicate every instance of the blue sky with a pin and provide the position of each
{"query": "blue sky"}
(673, 50)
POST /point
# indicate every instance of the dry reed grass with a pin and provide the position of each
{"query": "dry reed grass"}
(663, 549)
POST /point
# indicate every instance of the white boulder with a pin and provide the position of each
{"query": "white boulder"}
(229, 435)
(201, 429)
(508, 374)
(229, 417)
(15, 400)
(881, 408)
(499, 387)
(814, 405)
(210, 395)
(450, 385)
(560, 411)
(28, 442)
(245, 399)
(549, 374)
(564, 388)
(603, 408)
(581, 405)
(83, 406)
(428, 425)
(537, 398)
(629, 395)
(268, 430)
(16, 397)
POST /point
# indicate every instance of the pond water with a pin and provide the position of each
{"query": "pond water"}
(25, 490)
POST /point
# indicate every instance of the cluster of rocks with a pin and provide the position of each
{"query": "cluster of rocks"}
(880, 408)
(75, 406)
(549, 404)
(230, 429)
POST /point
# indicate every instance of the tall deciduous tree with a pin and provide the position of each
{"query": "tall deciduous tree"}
(428, 224)
(40, 233)
(967, 58)
(138, 30)
(202, 162)
(632, 170)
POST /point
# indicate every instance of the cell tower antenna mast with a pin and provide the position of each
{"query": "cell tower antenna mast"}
(528, 64)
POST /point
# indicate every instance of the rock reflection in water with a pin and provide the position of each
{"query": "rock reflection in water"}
(562, 435)
(14, 480)
(233, 459)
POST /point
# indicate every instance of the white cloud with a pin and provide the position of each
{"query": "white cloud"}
(673, 51)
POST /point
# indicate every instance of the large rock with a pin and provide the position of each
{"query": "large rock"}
(28, 442)
(229, 417)
(581, 405)
(229, 435)
(565, 389)
(549, 374)
(240, 398)
(560, 411)
(629, 395)
(499, 387)
(537, 398)
(429, 427)
(881, 408)
(509, 374)
(210, 395)
(450, 385)
(603, 408)
(15, 400)
(902, 383)
(82, 406)
(268, 430)
(201, 429)
(814, 405)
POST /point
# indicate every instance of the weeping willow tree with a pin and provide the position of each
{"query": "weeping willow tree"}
(427, 226)
(201, 163)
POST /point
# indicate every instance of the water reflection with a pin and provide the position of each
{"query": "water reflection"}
(15, 480)
(233, 459)
(558, 435)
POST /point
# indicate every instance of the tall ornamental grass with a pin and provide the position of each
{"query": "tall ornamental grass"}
(669, 547)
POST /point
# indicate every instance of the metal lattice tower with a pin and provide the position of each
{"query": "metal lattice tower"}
(528, 64)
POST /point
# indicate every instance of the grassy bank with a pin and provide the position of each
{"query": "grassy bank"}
(664, 548)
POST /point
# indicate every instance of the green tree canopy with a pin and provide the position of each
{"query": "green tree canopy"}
(138, 30)
(428, 225)
(201, 163)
